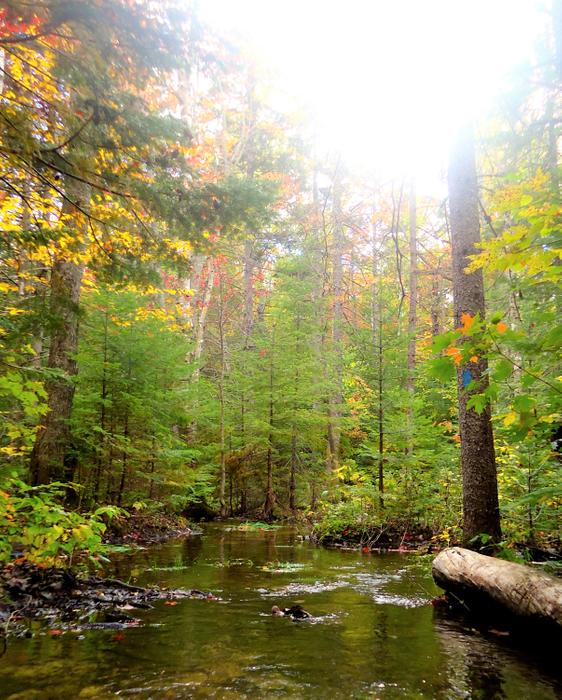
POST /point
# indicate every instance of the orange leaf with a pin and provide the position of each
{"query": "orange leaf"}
(467, 320)
(171, 602)
(457, 438)
(455, 353)
(474, 358)
(501, 327)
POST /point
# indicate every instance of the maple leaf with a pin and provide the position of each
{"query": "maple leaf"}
(453, 352)
(467, 321)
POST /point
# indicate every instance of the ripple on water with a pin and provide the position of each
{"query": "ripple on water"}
(297, 588)
(371, 585)
(366, 583)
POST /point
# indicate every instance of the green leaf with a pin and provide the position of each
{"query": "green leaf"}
(442, 369)
(503, 370)
(524, 403)
(440, 342)
(478, 402)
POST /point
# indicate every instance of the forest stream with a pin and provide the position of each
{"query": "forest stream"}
(373, 633)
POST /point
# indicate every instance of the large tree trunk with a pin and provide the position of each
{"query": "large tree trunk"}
(52, 442)
(480, 490)
(515, 589)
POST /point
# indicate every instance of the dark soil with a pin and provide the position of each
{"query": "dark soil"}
(64, 600)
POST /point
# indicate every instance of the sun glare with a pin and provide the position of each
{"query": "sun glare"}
(385, 82)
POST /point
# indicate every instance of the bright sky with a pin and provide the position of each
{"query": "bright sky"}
(385, 81)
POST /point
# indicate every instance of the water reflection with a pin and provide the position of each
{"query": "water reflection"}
(482, 667)
(374, 636)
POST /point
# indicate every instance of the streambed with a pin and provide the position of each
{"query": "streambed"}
(373, 635)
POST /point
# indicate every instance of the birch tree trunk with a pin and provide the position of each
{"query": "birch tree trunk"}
(480, 491)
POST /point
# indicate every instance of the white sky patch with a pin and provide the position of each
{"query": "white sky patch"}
(385, 82)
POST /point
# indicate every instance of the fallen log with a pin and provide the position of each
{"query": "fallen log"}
(515, 591)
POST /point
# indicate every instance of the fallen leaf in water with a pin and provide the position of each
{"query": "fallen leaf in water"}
(171, 602)
(365, 550)
(119, 637)
(54, 633)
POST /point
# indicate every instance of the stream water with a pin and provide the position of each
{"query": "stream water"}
(374, 634)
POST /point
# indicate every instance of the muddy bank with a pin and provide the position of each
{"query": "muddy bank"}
(64, 600)
(386, 538)
(147, 528)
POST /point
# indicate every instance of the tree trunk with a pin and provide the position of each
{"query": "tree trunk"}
(269, 503)
(378, 354)
(481, 581)
(124, 461)
(412, 323)
(412, 311)
(480, 491)
(103, 399)
(293, 474)
(222, 486)
(336, 398)
(52, 442)
(435, 305)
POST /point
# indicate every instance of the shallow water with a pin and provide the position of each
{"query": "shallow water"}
(373, 635)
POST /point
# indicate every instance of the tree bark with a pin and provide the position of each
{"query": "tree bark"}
(413, 304)
(336, 397)
(222, 485)
(480, 491)
(269, 503)
(518, 590)
(52, 442)
(378, 352)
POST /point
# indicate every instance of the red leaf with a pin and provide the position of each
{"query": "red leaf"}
(118, 637)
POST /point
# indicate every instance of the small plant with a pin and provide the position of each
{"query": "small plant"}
(282, 567)
(258, 525)
(35, 524)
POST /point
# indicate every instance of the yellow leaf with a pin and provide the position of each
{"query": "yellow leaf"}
(510, 419)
